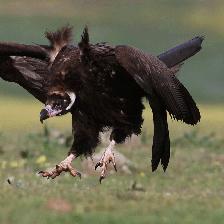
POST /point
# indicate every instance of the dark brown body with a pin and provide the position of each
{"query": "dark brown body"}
(109, 83)
(107, 96)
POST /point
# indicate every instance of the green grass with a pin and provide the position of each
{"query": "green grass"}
(191, 190)
(23, 114)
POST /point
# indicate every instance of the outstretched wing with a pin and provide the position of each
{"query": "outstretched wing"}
(25, 65)
(164, 92)
(28, 65)
(15, 49)
(57, 40)
(30, 73)
(156, 79)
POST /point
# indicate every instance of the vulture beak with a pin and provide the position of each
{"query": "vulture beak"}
(43, 115)
(47, 112)
(58, 109)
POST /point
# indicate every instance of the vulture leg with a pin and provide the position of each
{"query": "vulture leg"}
(107, 157)
(65, 166)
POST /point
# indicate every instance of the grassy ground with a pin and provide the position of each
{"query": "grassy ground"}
(191, 191)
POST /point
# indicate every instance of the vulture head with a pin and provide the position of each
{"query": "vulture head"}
(65, 62)
(60, 97)
(57, 104)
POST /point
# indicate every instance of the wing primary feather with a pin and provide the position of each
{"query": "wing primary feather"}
(30, 73)
(14, 49)
(182, 52)
(155, 78)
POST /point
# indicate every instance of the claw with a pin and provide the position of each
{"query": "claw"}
(74, 172)
(101, 178)
(99, 164)
(115, 167)
(107, 157)
(78, 174)
(65, 166)
(44, 173)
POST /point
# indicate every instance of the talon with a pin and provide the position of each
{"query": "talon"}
(65, 166)
(98, 165)
(79, 174)
(115, 167)
(107, 157)
(101, 178)
(43, 174)
(74, 172)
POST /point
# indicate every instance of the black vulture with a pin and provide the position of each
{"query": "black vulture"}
(103, 87)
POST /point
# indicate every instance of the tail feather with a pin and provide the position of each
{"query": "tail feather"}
(166, 151)
(161, 140)
(174, 98)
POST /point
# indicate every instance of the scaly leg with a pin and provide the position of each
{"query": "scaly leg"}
(65, 166)
(107, 157)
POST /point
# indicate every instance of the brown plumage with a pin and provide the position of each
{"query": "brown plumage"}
(164, 92)
(61, 37)
(107, 84)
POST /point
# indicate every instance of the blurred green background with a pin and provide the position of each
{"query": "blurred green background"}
(191, 191)
(150, 25)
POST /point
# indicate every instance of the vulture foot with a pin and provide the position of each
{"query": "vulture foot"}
(65, 166)
(107, 157)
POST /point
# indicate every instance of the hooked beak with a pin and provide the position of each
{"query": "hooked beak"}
(43, 115)
(48, 112)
